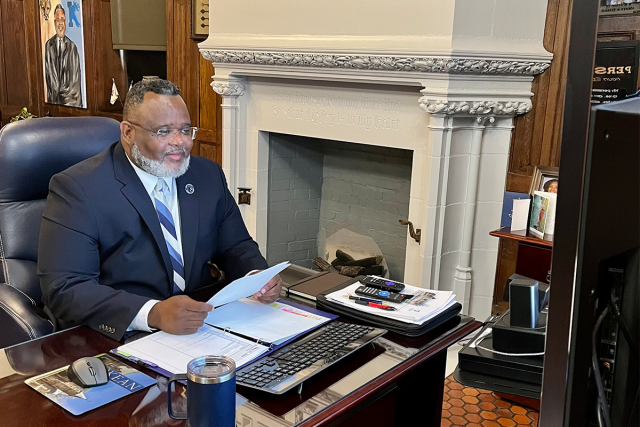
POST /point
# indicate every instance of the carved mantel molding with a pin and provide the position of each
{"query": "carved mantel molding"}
(498, 108)
(228, 87)
(418, 64)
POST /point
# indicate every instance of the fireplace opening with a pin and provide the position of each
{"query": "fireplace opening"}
(333, 197)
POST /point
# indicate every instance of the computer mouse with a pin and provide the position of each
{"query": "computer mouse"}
(88, 372)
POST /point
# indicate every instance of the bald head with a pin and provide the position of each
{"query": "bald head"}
(136, 94)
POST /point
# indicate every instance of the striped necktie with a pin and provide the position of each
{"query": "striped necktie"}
(162, 195)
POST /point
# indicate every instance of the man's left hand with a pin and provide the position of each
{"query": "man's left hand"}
(269, 292)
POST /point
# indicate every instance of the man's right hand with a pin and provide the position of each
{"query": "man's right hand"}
(178, 315)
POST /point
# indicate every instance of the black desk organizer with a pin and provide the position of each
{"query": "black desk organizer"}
(518, 375)
(402, 328)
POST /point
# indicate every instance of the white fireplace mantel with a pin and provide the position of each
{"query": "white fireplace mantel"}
(443, 78)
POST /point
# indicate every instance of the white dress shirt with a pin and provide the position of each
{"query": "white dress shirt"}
(140, 322)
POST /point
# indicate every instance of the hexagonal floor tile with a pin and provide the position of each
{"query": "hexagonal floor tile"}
(470, 407)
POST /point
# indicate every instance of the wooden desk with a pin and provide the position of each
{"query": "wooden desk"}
(403, 378)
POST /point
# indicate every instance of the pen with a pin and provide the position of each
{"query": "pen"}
(351, 297)
(373, 304)
(145, 363)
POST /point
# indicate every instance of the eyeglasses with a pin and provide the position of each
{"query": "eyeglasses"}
(59, 21)
(167, 135)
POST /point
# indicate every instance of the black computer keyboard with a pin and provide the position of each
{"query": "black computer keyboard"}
(289, 366)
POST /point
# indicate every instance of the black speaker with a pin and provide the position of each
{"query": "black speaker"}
(543, 290)
(523, 303)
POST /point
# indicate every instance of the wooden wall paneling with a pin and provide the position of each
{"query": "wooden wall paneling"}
(210, 115)
(35, 79)
(192, 73)
(108, 64)
(536, 135)
(209, 100)
(183, 56)
(209, 146)
(3, 80)
(14, 46)
(550, 151)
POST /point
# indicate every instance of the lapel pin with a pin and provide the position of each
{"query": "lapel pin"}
(189, 188)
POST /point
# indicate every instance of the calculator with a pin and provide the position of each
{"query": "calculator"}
(367, 291)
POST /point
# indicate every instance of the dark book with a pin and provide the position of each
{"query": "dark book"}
(312, 286)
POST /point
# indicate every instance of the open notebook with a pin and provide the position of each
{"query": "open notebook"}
(244, 331)
(272, 323)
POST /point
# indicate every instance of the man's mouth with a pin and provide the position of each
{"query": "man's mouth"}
(175, 155)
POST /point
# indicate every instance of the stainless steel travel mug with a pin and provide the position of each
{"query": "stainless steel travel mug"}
(211, 392)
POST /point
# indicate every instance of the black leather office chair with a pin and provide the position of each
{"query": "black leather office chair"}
(31, 152)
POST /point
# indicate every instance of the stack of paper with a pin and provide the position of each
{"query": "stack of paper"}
(405, 312)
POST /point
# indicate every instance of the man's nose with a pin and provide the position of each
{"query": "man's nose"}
(177, 139)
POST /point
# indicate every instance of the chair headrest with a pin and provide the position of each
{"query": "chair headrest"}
(32, 151)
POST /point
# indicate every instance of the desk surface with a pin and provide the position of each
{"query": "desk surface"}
(325, 398)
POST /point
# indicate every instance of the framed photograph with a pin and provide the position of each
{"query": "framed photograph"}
(199, 19)
(62, 41)
(539, 212)
(545, 178)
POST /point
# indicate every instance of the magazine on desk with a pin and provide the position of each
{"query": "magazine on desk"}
(57, 387)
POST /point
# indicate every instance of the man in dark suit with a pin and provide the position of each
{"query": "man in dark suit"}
(126, 233)
(62, 65)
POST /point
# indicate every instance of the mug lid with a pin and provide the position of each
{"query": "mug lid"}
(211, 369)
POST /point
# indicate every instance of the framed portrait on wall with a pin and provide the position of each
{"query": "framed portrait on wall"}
(545, 178)
(63, 59)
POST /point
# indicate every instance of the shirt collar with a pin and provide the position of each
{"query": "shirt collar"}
(149, 181)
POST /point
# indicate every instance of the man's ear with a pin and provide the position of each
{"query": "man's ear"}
(127, 133)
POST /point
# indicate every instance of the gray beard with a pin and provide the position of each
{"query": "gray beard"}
(157, 167)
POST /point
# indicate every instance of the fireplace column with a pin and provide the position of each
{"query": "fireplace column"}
(462, 277)
(230, 88)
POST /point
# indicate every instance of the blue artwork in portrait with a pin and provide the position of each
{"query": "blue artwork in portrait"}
(74, 8)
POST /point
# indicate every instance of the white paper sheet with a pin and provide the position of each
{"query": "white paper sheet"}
(246, 286)
(270, 323)
(520, 214)
(405, 312)
(174, 352)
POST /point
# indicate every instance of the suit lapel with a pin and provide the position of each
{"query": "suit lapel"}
(135, 192)
(188, 221)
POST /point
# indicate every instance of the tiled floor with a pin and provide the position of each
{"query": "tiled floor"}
(472, 407)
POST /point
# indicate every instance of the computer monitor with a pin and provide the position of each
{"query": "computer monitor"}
(607, 261)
